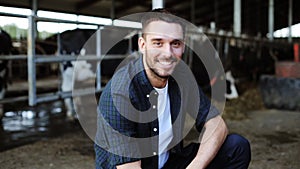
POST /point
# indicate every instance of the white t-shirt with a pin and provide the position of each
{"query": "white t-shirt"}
(165, 124)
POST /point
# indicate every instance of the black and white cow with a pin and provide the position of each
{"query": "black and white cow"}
(5, 49)
(216, 79)
(81, 42)
(71, 43)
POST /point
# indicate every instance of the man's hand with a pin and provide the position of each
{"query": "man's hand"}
(214, 136)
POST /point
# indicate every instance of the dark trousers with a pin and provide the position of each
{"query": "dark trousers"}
(234, 154)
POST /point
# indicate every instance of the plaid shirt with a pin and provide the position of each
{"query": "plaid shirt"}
(127, 116)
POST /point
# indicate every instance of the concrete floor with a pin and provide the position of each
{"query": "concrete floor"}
(274, 136)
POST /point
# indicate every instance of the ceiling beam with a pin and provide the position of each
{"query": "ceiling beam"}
(175, 4)
(85, 4)
(129, 4)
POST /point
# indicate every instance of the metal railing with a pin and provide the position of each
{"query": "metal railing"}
(32, 59)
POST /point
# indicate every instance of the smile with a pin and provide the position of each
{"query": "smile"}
(166, 63)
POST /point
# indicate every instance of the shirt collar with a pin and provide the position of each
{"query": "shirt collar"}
(141, 76)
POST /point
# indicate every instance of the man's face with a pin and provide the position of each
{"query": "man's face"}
(162, 47)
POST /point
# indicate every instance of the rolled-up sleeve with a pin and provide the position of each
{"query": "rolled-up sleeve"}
(206, 111)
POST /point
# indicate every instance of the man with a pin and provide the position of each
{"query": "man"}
(142, 110)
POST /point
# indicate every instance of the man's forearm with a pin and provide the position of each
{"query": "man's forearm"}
(213, 137)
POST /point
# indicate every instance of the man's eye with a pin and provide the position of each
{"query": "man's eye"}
(157, 43)
(176, 44)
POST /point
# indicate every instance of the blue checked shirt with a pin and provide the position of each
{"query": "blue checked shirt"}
(127, 126)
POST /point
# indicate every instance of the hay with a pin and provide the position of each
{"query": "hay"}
(250, 100)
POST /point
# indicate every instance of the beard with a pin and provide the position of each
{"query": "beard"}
(164, 74)
(156, 72)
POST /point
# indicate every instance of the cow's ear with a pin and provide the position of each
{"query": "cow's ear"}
(142, 44)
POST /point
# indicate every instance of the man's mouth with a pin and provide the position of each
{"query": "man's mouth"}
(166, 63)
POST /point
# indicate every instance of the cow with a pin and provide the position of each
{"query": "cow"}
(71, 43)
(249, 60)
(81, 42)
(216, 79)
(5, 49)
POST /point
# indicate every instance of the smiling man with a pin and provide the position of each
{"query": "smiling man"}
(162, 47)
(142, 110)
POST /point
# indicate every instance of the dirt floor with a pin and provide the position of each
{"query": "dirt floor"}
(274, 136)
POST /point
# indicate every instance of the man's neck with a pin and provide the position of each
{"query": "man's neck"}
(156, 81)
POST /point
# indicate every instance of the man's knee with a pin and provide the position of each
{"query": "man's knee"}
(234, 153)
(238, 140)
(239, 148)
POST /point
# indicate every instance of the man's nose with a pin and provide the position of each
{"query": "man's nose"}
(167, 50)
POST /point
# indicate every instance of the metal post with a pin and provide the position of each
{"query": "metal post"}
(130, 45)
(112, 10)
(226, 50)
(190, 56)
(34, 13)
(157, 4)
(32, 32)
(271, 19)
(98, 54)
(61, 66)
(237, 15)
(187, 50)
(290, 20)
(31, 62)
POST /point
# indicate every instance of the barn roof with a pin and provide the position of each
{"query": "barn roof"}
(254, 12)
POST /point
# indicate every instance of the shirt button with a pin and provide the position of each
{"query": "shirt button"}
(155, 93)
(154, 153)
(154, 107)
(155, 129)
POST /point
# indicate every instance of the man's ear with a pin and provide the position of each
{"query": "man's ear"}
(142, 45)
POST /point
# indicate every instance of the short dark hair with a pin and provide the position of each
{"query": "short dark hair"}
(161, 14)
